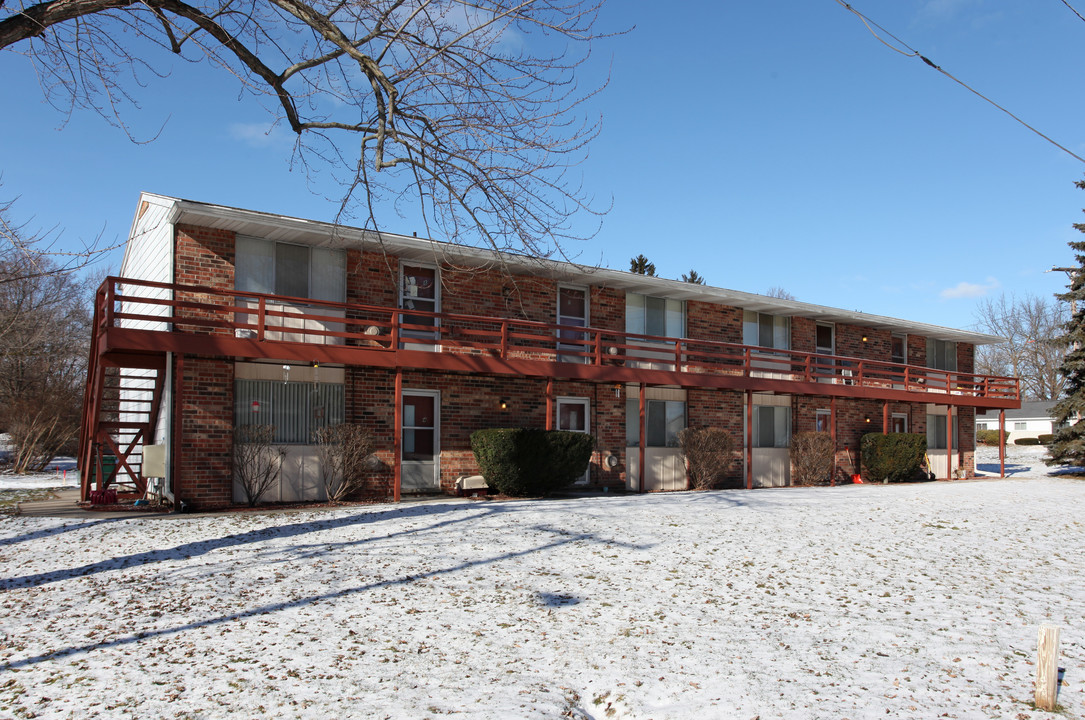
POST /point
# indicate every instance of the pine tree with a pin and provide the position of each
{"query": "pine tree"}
(1068, 447)
(641, 266)
(694, 277)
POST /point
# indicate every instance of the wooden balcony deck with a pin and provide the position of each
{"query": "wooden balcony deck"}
(139, 318)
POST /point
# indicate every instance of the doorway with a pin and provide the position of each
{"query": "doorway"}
(421, 442)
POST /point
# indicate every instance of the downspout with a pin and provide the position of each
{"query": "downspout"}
(949, 442)
(178, 428)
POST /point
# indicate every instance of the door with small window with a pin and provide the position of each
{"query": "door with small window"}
(664, 418)
(574, 415)
(420, 469)
(771, 441)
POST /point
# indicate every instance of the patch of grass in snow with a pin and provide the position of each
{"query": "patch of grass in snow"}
(9, 499)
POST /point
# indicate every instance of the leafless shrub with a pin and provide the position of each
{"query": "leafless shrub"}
(344, 450)
(708, 451)
(812, 458)
(256, 460)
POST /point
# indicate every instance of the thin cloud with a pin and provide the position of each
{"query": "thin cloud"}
(259, 135)
(969, 290)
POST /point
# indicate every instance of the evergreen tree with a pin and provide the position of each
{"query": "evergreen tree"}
(641, 266)
(1068, 447)
(693, 277)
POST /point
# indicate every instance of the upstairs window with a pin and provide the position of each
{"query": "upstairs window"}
(300, 271)
(941, 354)
(899, 349)
(764, 330)
(647, 315)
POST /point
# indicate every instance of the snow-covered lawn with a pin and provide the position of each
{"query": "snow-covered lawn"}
(852, 602)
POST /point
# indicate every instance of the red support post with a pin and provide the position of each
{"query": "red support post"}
(261, 317)
(549, 403)
(832, 431)
(178, 425)
(504, 339)
(1002, 443)
(949, 442)
(397, 444)
(643, 440)
(885, 418)
(749, 436)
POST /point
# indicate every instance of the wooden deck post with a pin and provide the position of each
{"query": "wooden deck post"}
(1047, 667)
(397, 443)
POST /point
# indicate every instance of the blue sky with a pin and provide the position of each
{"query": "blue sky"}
(763, 144)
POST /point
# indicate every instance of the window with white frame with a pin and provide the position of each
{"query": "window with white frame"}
(663, 420)
(647, 315)
(1020, 426)
(301, 271)
(764, 330)
(294, 409)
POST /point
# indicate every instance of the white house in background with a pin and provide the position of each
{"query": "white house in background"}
(1032, 419)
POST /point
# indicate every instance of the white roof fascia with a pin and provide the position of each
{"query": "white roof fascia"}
(313, 232)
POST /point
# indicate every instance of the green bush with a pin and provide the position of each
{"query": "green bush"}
(1046, 439)
(987, 437)
(812, 458)
(895, 457)
(527, 462)
(1027, 441)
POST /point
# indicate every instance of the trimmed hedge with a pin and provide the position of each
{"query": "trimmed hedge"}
(1046, 439)
(1027, 441)
(895, 457)
(987, 437)
(526, 462)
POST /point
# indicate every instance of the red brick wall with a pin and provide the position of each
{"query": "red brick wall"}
(708, 321)
(722, 409)
(204, 257)
(205, 459)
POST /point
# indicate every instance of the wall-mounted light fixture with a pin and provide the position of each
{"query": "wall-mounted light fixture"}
(617, 390)
(864, 338)
(867, 419)
(503, 404)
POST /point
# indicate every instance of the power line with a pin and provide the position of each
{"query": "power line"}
(1073, 10)
(909, 51)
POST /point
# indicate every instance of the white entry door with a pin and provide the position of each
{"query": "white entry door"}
(420, 464)
(574, 415)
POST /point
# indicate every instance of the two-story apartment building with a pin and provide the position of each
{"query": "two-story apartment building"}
(223, 317)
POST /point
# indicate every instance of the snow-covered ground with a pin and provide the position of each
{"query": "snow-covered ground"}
(915, 601)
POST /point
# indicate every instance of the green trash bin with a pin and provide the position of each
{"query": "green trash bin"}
(108, 462)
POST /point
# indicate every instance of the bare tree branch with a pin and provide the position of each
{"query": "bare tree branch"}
(466, 111)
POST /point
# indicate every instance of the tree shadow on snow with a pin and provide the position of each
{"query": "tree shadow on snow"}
(448, 514)
(554, 599)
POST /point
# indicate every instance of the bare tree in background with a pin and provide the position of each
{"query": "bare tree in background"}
(44, 333)
(778, 292)
(1030, 325)
(28, 254)
(468, 110)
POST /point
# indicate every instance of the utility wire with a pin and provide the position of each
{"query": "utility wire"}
(1073, 10)
(909, 51)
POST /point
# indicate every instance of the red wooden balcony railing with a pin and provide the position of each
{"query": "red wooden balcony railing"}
(159, 307)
